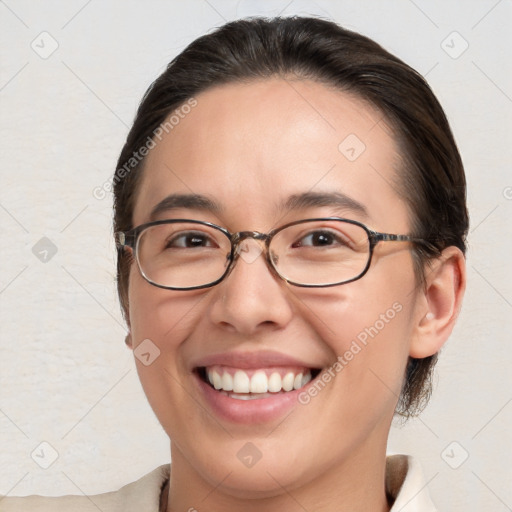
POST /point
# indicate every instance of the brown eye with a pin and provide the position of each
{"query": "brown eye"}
(190, 240)
(322, 238)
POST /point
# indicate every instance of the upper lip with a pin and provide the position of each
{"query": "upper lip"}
(251, 360)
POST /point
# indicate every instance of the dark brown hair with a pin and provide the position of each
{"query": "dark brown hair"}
(431, 178)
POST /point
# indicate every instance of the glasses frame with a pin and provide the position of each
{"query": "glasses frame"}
(130, 239)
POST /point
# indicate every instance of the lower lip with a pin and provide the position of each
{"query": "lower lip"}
(258, 410)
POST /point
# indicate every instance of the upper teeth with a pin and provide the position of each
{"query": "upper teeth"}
(261, 381)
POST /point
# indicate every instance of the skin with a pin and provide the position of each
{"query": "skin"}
(250, 147)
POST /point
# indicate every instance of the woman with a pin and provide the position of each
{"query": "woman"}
(291, 220)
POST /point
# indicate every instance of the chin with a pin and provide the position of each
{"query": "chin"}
(264, 480)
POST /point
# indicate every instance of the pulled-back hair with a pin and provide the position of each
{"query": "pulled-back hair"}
(431, 176)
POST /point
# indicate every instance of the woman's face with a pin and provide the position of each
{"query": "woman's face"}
(251, 149)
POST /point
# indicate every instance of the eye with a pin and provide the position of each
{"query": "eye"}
(190, 240)
(321, 238)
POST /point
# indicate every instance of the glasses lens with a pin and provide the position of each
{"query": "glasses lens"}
(182, 254)
(320, 252)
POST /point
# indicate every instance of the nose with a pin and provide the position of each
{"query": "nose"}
(251, 298)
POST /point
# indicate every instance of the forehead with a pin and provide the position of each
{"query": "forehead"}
(251, 146)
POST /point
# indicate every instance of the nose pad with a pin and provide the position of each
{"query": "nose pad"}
(249, 249)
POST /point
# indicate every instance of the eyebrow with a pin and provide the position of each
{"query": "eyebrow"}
(190, 201)
(320, 199)
(293, 203)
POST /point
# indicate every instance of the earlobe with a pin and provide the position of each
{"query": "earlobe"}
(440, 303)
(128, 340)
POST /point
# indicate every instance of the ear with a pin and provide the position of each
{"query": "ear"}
(128, 340)
(439, 303)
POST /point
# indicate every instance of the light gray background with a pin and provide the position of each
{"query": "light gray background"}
(67, 378)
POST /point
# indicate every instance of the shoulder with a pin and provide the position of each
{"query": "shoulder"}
(143, 494)
(406, 485)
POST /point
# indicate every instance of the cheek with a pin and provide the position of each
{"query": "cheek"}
(160, 321)
(164, 316)
(368, 324)
(367, 332)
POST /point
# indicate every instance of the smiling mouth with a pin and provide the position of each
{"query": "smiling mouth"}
(242, 384)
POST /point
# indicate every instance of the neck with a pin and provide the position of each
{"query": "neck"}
(357, 484)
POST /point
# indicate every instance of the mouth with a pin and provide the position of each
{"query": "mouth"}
(252, 388)
(255, 384)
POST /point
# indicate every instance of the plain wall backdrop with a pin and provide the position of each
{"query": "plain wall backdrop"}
(71, 78)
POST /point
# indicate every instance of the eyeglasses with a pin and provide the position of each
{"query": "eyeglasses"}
(182, 254)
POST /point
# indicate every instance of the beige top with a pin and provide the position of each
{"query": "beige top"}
(404, 482)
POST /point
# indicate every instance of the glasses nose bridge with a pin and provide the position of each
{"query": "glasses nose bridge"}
(241, 236)
(249, 256)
